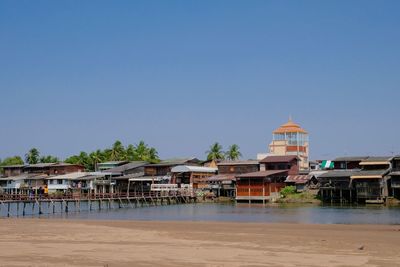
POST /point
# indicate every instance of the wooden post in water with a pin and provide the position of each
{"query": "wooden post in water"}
(351, 197)
(40, 207)
(23, 209)
(8, 209)
(341, 195)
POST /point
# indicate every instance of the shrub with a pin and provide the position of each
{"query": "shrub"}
(288, 190)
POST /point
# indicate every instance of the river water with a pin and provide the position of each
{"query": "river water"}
(287, 213)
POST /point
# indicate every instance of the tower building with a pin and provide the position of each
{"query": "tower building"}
(291, 139)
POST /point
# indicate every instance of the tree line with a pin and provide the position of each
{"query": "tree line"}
(117, 152)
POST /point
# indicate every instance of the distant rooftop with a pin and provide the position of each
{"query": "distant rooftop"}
(128, 166)
(113, 162)
(278, 159)
(351, 158)
(239, 162)
(261, 174)
(176, 161)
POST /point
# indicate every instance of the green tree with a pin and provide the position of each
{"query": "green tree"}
(118, 151)
(131, 153)
(215, 152)
(153, 155)
(145, 153)
(16, 160)
(96, 157)
(81, 159)
(233, 152)
(49, 159)
(141, 151)
(32, 157)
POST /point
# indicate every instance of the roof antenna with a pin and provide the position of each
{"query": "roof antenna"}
(290, 118)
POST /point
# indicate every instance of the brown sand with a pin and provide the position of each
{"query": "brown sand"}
(43, 242)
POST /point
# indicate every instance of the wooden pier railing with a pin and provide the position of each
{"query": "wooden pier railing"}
(22, 205)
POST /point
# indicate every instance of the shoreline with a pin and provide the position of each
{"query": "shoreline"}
(68, 242)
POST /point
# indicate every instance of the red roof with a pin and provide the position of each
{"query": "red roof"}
(298, 179)
(279, 159)
(261, 174)
(218, 178)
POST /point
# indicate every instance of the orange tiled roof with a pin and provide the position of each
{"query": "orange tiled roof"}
(290, 127)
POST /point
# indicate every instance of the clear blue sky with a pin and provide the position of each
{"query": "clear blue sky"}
(77, 75)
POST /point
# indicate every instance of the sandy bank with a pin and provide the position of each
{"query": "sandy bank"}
(42, 242)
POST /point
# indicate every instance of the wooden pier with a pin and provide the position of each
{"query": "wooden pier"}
(15, 205)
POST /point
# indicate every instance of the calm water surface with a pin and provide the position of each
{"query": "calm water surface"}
(249, 213)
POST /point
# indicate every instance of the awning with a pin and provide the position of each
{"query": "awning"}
(327, 164)
(298, 179)
(366, 177)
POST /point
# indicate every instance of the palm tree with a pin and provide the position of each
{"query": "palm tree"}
(233, 152)
(96, 158)
(215, 152)
(130, 152)
(32, 157)
(153, 155)
(141, 151)
(117, 151)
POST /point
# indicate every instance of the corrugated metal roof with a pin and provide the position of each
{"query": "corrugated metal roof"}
(317, 173)
(338, 173)
(351, 158)
(112, 162)
(70, 176)
(25, 176)
(261, 174)
(173, 162)
(369, 174)
(219, 177)
(13, 166)
(239, 162)
(185, 168)
(279, 159)
(373, 159)
(128, 166)
(298, 179)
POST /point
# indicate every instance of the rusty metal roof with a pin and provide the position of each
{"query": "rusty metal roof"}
(298, 179)
(261, 174)
(279, 159)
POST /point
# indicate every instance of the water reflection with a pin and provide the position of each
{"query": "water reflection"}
(287, 213)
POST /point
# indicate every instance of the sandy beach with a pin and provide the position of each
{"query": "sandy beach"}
(45, 242)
